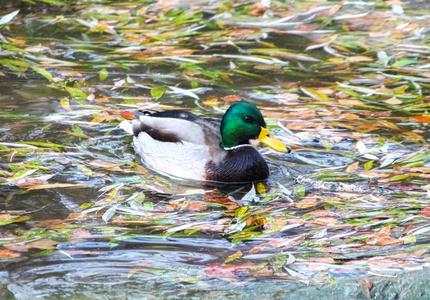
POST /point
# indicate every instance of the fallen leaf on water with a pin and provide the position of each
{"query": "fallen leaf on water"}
(234, 256)
(352, 167)
(425, 212)
(227, 270)
(196, 206)
(231, 98)
(4, 253)
(26, 183)
(306, 203)
(126, 114)
(57, 185)
(350, 102)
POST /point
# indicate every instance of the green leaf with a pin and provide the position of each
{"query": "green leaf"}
(148, 205)
(277, 261)
(399, 177)
(157, 92)
(234, 256)
(103, 74)
(85, 206)
(77, 129)
(241, 211)
(75, 92)
(43, 72)
(368, 165)
(300, 189)
(13, 220)
(403, 62)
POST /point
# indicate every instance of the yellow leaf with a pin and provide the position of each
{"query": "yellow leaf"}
(65, 103)
(261, 189)
(234, 256)
(368, 165)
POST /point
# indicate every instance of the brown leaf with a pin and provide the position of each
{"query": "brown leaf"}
(387, 124)
(196, 206)
(366, 282)
(373, 174)
(78, 233)
(352, 167)
(26, 183)
(306, 203)
(266, 271)
(376, 113)
(103, 99)
(325, 221)
(104, 116)
(227, 270)
(178, 52)
(350, 102)
(231, 98)
(358, 58)
(349, 116)
(393, 101)
(425, 212)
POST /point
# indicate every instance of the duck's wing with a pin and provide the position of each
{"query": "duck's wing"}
(178, 126)
(167, 129)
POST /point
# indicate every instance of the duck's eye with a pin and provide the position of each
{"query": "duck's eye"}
(247, 119)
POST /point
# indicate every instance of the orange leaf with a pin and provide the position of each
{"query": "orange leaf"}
(421, 119)
(425, 212)
(349, 116)
(231, 98)
(103, 99)
(306, 203)
(227, 270)
(366, 127)
(8, 254)
(126, 114)
(196, 206)
(178, 52)
(105, 116)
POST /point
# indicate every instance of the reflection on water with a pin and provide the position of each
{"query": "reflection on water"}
(139, 267)
(147, 266)
(90, 221)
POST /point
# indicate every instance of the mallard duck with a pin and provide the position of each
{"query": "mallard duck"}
(181, 144)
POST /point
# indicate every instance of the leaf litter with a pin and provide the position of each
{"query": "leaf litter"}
(346, 82)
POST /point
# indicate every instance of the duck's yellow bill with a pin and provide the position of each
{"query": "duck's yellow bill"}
(267, 138)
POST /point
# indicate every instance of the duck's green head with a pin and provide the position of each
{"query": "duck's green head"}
(242, 122)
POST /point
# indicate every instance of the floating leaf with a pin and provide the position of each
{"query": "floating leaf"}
(157, 92)
(103, 74)
(261, 189)
(7, 18)
(368, 165)
(278, 261)
(234, 256)
(65, 103)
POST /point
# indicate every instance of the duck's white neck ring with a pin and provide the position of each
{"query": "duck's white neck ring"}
(236, 147)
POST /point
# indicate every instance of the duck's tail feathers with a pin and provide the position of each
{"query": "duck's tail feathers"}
(126, 126)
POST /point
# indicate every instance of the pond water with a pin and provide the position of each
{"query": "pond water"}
(346, 85)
